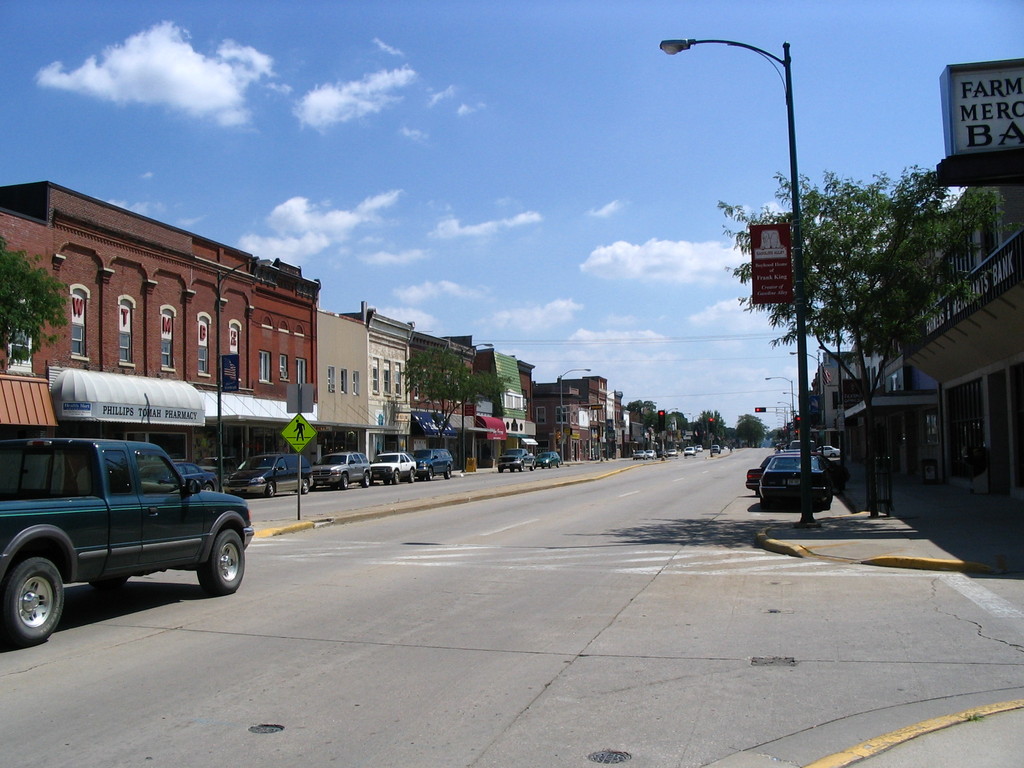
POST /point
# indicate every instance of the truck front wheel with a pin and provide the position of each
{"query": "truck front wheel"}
(33, 600)
(222, 573)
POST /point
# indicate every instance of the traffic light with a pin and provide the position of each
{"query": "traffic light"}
(796, 423)
(661, 421)
(760, 410)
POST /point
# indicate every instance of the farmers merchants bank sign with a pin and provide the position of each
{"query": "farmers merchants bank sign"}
(983, 106)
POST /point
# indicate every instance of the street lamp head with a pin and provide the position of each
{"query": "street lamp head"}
(672, 47)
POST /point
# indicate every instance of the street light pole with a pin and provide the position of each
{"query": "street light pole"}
(221, 277)
(561, 407)
(672, 47)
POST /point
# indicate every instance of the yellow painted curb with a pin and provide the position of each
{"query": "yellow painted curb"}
(927, 564)
(889, 740)
(268, 532)
(764, 541)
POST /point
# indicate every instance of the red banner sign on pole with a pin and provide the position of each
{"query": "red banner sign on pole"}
(771, 264)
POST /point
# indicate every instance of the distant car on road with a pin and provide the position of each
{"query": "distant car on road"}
(192, 471)
(689, 451)
(829, 452)
(716, 449)
(433, 461)
(639, 455)
(549, 460)
(339, 470)
(671, 453)
(650, 454)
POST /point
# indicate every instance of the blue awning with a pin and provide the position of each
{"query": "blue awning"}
(425, 421)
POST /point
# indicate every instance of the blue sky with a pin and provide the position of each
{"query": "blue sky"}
(537, 174)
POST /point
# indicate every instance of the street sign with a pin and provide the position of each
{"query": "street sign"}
(771, 265)
(298, 433)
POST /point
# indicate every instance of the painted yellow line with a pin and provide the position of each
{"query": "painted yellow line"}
(893, 738)
(927, 564)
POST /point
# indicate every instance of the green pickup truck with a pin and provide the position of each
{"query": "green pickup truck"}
(101, 511)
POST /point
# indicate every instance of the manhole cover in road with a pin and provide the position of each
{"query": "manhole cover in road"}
(609, 757)
(772, 661)
(265, 728)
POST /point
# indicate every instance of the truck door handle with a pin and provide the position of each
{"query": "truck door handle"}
(153, 512)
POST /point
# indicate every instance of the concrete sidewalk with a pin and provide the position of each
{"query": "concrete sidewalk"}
(933, 527)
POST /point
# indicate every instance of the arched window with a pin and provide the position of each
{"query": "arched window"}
(203, 343)
(79, 305)
(167, 337)
(125, 318)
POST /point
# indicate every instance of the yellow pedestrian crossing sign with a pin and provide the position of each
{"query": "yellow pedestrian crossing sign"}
(298, 433)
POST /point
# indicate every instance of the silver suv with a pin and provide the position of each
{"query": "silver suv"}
(338, 470)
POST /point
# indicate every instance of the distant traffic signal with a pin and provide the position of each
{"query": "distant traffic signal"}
(661, 421)
(760, 410)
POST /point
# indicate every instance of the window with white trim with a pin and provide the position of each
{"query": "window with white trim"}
(167, 337)
(125, 318)
(264, 365)
(203, 343)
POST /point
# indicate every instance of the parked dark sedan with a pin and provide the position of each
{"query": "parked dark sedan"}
(780, 481)
(190, 471)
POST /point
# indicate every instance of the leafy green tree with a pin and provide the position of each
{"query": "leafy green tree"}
(442, 378)
(750, 430)
(33, 304)
(647, 409)
(711, 426)
(878, 257)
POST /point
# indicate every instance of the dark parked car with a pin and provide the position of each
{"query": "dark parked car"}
(549, 459)
(516, 459)
(780, 481)
(433, 461)
(191, 471)
(268, 473)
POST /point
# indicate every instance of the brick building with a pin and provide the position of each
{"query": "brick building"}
(139, 356)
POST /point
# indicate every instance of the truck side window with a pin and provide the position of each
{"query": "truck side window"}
(119, 477)
(156, 474)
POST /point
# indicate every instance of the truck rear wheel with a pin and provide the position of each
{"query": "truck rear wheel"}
(222, 573)
(32, 602)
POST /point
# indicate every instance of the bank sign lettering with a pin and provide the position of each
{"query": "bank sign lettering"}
(983, 106)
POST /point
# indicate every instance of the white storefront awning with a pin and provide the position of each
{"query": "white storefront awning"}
(234, 407)
(116, 397)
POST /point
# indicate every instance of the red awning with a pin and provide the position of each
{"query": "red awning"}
(494, 425)
(26, 401)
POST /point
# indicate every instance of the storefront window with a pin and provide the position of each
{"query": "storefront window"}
(966, 428)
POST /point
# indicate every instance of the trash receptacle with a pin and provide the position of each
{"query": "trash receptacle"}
(471, 464)
(930, 471)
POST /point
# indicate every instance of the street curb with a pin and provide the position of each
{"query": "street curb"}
(880, 744)
(765, 541)
(268, 532)
(404, 507)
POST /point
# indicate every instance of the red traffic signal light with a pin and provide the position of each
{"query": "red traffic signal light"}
(711, 421)
(661, 421)
(760, 410)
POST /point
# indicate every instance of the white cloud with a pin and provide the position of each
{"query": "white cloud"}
(159, 66)
(553, 313)
(388, 258)
(414, 134)
(729, 316)
(450, 227)
(424, 321)
(665, 261)
(605, 211)
(304, 229)
(416, 294)
(387, 48)
(436, 98)
(151, 210)
(466, 109)
(334, 103)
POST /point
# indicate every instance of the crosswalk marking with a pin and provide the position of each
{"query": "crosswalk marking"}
(638, 560)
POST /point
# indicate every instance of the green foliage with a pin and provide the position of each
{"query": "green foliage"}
(442, 377)
(32, 302)
(647, 409)
(750, 430)
(878, 257)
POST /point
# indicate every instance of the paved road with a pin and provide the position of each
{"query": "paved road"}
(629, 615)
